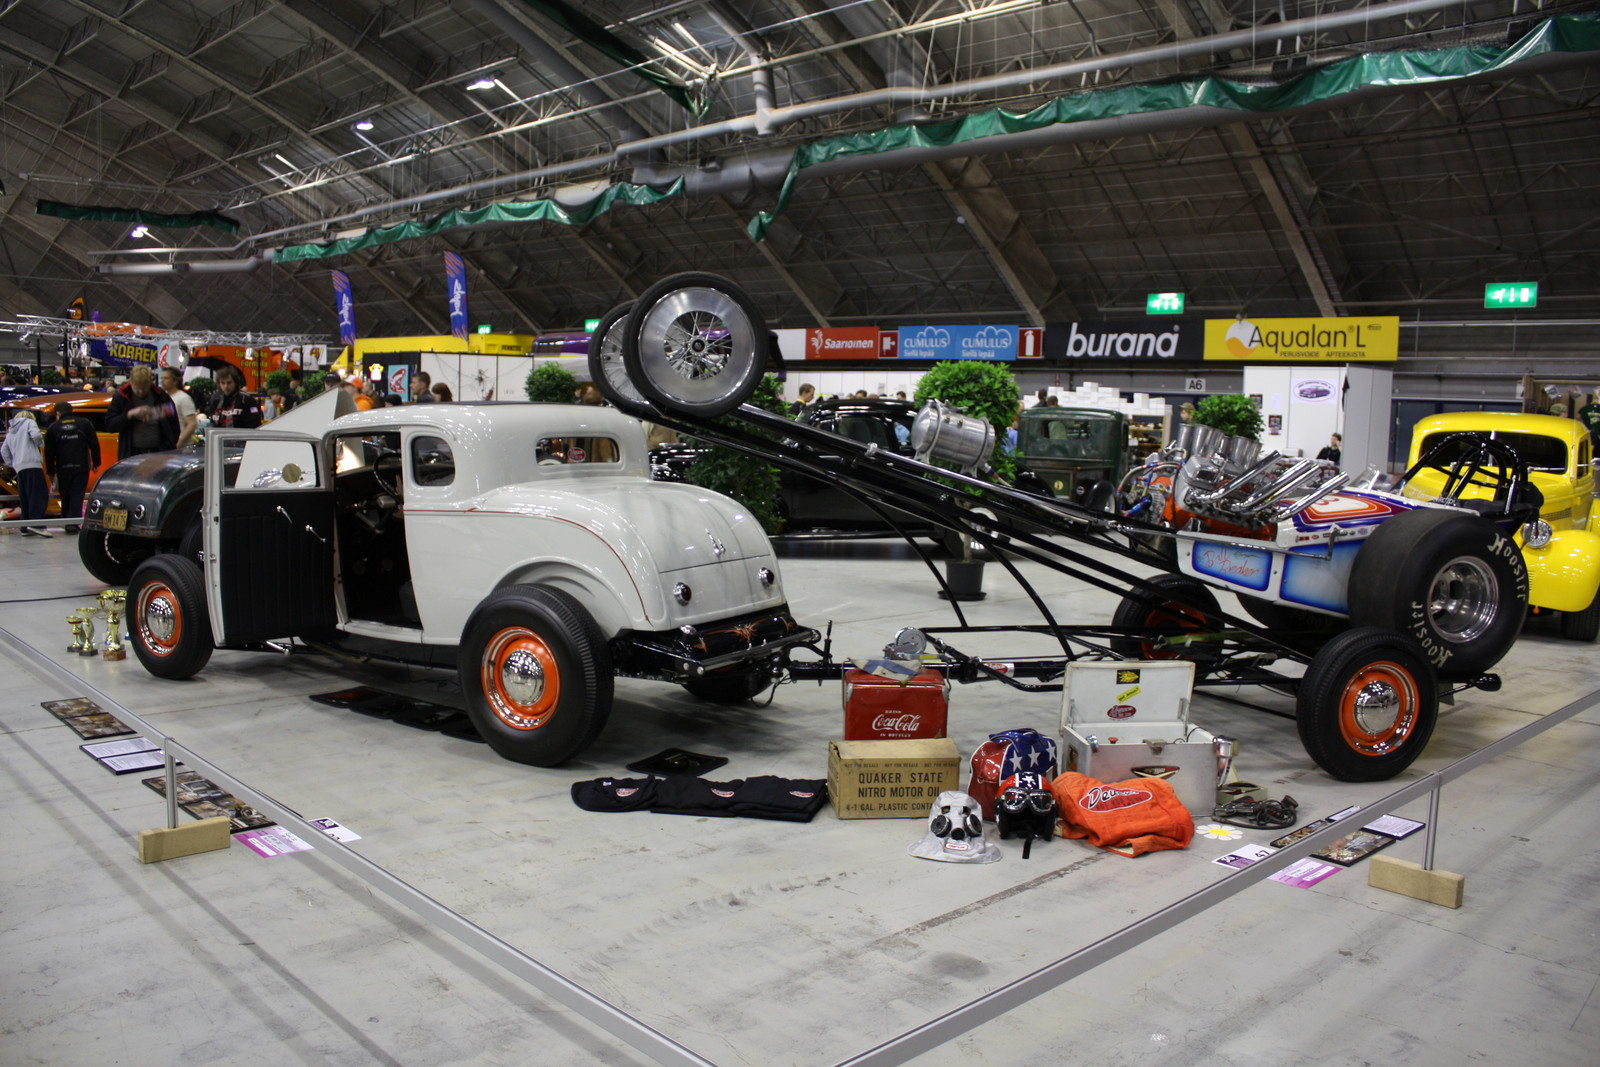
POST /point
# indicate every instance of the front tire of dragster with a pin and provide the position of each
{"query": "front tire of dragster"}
(607, 370)
(695, 345)
(537, 675)
(168, 619)
(1165, 614)
(1367, 705)
(1452, 582)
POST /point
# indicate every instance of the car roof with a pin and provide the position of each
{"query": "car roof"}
(1569, 430)
(80, 401)
(469, 418)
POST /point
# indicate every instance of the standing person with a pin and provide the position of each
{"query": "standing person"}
(231, 406)
(363, 402)
(142, 416)
(182, 403)
(808, 393)
(1332, 450)
(71, 451)
(441, 393)
(21, 452)
(422, 388)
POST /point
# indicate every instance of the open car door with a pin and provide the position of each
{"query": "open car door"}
(268, 536)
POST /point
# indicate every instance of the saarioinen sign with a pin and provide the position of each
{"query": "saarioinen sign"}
(1374, 340)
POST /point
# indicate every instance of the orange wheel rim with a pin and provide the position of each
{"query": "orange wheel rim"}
(160, 619)
(520, 677)
(1378, 708)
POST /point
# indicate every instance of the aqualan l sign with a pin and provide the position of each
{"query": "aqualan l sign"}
(842, 342)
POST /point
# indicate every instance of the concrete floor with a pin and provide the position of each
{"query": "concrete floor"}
(753, 942)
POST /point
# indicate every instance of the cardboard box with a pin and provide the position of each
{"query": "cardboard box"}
(890, 779)
(1130, 719)
(884, 709)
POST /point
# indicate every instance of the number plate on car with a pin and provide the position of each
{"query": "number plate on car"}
(116, 518)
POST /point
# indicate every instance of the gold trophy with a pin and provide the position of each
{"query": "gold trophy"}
(87, 649)
(113, 646)
(76, 622)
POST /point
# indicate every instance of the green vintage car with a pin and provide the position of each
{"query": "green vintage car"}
(1080, 454)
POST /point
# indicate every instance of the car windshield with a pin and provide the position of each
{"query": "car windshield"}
(1070, 437)
(1539, 452)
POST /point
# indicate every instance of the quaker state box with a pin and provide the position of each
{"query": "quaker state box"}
(890, 779)
(885, 709)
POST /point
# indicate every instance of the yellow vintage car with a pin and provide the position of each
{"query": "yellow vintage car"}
(1561, 548)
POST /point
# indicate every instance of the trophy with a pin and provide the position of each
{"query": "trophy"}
(76, 622)
(86, 617)
(112, 649)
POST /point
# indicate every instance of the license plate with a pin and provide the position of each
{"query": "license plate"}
(116, 518)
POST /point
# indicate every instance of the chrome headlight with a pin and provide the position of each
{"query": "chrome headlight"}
(767, 576)
(1537, 534)
(138, 512)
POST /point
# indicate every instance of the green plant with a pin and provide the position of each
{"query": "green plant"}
(1233, 413)
(750, 480)
(201, 389)
(985, 390)
(312, 386)
(50, 376)
(551, 383)
(278, 379)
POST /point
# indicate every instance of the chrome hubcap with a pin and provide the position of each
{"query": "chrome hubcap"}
(160, 619)
(522, 677)
(1377, 707)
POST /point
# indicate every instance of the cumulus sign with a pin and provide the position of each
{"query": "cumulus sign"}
(958, 342)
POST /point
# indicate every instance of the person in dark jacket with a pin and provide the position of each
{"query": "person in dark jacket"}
(142, 416)
(230, 405)
(71, 451)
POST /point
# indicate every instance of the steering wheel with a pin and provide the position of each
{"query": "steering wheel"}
(386, 469)
(1473, 459)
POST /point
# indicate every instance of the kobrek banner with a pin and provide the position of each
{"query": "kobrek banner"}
(345, 303)
(1347, 340)
(958, 342)
(1178, 340)
(455, 274)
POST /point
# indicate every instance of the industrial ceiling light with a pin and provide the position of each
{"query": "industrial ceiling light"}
(364, 124)
(481, 83)
(139, 231)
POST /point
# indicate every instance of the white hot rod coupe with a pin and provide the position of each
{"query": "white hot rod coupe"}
(523, 544)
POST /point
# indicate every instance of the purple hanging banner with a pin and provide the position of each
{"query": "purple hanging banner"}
(455, 273)
(345, 302)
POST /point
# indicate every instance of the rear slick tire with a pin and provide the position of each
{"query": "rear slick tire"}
(1452, 582)
(537, 675)
(168, 619)
(1367, 705)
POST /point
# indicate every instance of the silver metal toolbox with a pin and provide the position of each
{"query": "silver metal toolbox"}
(1130, 719)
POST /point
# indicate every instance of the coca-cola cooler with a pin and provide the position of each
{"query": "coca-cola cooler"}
(886, 709)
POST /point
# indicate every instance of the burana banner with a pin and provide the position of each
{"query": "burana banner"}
(1374, 340)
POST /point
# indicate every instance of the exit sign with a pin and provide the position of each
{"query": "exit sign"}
(486, 329)
(591, 325)
(1511, 295)
(1163, 304)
